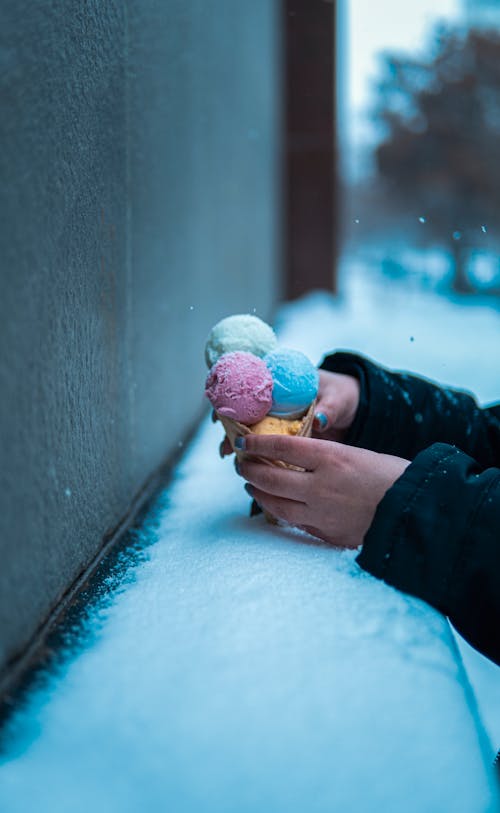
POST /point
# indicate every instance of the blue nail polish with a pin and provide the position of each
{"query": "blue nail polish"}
(255, 509)
(248, 488)
(240, 443)
(321, 419)
(237, 465)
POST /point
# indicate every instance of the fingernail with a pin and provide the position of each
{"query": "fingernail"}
(240, 443)
(221, 453)
(237, 465)
(255, 509)
(248, 489)
(321, 420)
(214, 416)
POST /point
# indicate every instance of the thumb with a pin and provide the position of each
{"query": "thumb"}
(321, 420)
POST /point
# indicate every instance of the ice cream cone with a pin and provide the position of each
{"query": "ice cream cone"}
(301, 427)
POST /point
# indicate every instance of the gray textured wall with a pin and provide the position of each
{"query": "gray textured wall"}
(139, 196)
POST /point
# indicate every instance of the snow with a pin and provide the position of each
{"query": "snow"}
(243, 667)
(451, 340)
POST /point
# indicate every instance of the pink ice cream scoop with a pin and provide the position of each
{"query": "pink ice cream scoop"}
(240, 386)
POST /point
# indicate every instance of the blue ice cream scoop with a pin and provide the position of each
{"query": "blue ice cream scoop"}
(295, 382)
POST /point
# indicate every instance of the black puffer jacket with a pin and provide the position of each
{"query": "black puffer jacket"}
(436, 532)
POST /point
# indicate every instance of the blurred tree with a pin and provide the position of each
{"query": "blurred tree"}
(440, 156)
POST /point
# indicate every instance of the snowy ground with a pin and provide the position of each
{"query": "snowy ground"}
(240, 668)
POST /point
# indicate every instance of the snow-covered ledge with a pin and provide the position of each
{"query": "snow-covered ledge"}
(248, 669)
(294, 681)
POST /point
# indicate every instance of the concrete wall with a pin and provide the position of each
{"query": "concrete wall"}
(140, 172)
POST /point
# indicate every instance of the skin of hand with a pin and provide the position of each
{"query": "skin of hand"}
(338, 399)
(335, 498)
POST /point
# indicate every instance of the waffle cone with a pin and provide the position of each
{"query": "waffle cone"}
(235, 429)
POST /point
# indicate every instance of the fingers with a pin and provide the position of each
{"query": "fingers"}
(326, 407)
(310, 529)
(290, 511)
(326, 414)
(321, 421)
(329, 434)
(338, 401)
(277, 482)
(303, 452)
(225, 447)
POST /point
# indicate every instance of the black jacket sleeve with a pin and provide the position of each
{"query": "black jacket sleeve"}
(436, 535)
(436, 532)
(402, 414)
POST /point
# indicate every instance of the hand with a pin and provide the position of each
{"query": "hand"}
(338, 400)
(335, 498)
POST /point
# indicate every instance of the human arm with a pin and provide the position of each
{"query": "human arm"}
(429, 528)
(435, 534)
(403, 414)
(336, 493)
